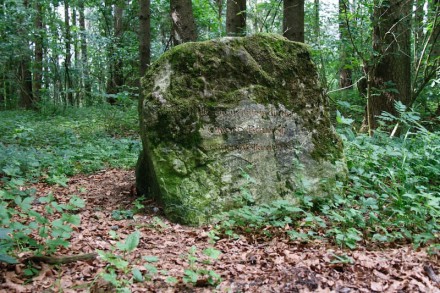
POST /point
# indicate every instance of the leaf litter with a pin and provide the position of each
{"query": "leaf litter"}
(245, 265)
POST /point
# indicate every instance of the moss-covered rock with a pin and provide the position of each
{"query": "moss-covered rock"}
(231, 122)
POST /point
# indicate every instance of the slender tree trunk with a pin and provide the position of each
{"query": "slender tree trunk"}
(75, 78)
(75, 38)
(109, 33)
(144, 36)
(435, 40)
(84, 54)
(220, 6)
(391, 74)
(116, 64)
(26, 97)
(38, 62)
(317, 33)
(345, 72)
(236, 18)
(418, 25)
(3, 79)
(119, 30)
(184, 25)
(293, 20)
(68, 56)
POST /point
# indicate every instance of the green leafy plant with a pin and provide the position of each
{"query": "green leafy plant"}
(20, 220)
(122, 214)
(197, 274)
(342, 259)
(51, 147)
(392, 194)
(117, 262)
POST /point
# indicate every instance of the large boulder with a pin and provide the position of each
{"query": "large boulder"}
(234, 121)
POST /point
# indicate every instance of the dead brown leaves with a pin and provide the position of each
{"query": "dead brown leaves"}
(275, 266)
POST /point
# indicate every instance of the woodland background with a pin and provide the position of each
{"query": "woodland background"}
(69, 82)
(81, 53)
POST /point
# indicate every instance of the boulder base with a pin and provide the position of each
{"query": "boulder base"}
(233, 122)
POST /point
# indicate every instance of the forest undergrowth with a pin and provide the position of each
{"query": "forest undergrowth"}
(391, 199)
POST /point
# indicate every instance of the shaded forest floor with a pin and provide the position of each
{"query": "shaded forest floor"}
(245, 265)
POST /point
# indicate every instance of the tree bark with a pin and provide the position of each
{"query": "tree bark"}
(418, 29)
(220, 6)
(26, 96)
(317, 33)
(391, 73)
(183, 22)
(68, 56)
(119, 30)
(435, 40)
(236, 18)
(59, 260)
(84, 54)
(144, 36)
(116, 80)
(293, 20)
(38, 63)
(345, 73)
(76, 78)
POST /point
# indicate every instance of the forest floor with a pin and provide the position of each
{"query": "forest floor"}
(245, 265)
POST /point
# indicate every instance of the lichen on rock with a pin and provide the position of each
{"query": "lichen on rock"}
(234, 121)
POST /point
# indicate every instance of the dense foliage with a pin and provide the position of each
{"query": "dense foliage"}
(50, 147)
(392, 195)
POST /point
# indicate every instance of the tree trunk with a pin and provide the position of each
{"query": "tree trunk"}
(38, 63)
(317, 33)
(84, 54)
(391, 73)
(220, 6)
(75, 78)
(345, 72)
(435, 40)
(68, 56)
(184, 25)
(236, 18)
(418, 29)
(116, 80)
(26, 97)
(119, 30)
(293, 20)
(144, 36)
(3, 79)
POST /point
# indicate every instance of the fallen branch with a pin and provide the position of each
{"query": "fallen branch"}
(59, 260)
(430, 272)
